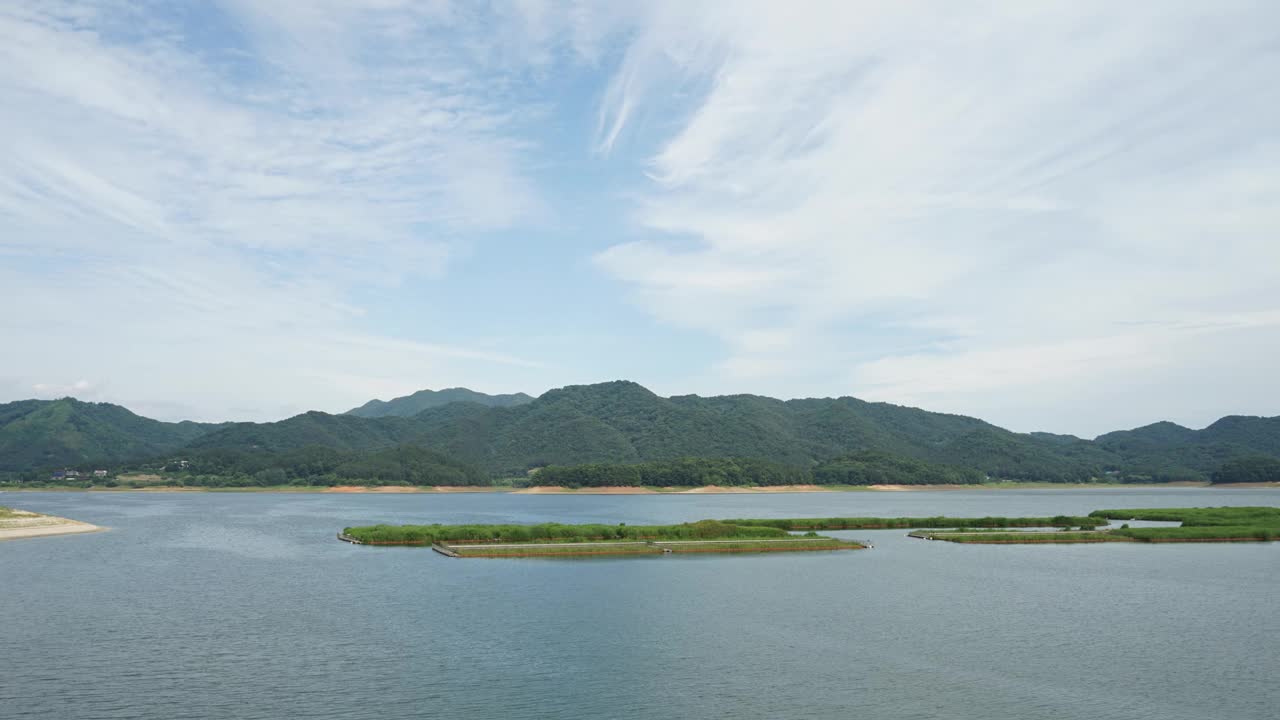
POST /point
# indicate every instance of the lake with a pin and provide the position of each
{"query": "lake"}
(222, 605)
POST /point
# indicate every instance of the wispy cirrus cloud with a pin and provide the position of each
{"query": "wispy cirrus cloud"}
(192, 183)
(244, 209)
(961, 209)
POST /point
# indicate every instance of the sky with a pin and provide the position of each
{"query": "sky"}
(1059, 216)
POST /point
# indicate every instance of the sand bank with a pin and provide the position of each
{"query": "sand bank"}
(557, 489)
(399, 489)
(364, 489)
(712, 489)
(633, 490)
(918, 488)
(19, 524)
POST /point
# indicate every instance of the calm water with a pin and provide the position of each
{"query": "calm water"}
(245, 606)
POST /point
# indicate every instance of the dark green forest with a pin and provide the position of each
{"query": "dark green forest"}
(868, 467)
(317, 465)
(308, 466)
(684, 472)
(626, 433)
(411, 405)
(873, 467)
(1253, 469)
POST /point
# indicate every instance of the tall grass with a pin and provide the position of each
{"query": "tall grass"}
(625, 548)
(1025, 538)
(1220, 524)
(874, 523)
(1198, 524)
(1199, 517)
(1208, 532)
(427, 534)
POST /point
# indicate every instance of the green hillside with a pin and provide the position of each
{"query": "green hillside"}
(47, 433)
(1166, 451)
(623, 423)
(1254, 469)
(873, 467)
(410, 405)
(342, 432)
(317, 465)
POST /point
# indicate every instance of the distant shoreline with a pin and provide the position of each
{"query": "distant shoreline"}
(703, 490)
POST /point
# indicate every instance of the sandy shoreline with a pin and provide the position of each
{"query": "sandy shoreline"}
(708, 489)
(704, 490)
(773, 489)
(393, 489)
(20, 524)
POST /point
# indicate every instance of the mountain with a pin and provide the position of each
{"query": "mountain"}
(48, 433)
(623, 422)
(1260, 433)
(1168, 451)
(1161, 433)
(411, 405)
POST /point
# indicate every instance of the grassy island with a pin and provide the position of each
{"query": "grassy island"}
(592, 539)
(1221, 524)
(879, 523)
(1225, 524)
(653, 547)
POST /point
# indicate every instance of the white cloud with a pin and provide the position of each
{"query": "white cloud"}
(189, 211)
(997, 209)
(962, 208)
(82, 389)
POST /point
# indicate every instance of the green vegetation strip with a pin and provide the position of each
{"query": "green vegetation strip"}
(877, 523)
(555, 549)
(655, 548)
(554, 532)
(1221, 524)
(594, 539)
(1224, 524)
(1199, 517)
(1020, 538)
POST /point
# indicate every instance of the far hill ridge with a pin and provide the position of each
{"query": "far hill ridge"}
(411, 405)
(624, 422)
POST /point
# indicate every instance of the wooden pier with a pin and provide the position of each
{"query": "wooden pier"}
(444, 550)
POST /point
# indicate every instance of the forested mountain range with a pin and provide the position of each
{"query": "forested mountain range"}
(410, 405)
(38, 434)
(622, 422)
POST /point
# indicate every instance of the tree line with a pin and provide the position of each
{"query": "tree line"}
(684, 472)
(1254, 469)
(413, 465)
(861, 468)
(315, 465)
(427, 534)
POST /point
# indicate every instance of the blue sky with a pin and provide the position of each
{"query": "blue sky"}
(1056, 216)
